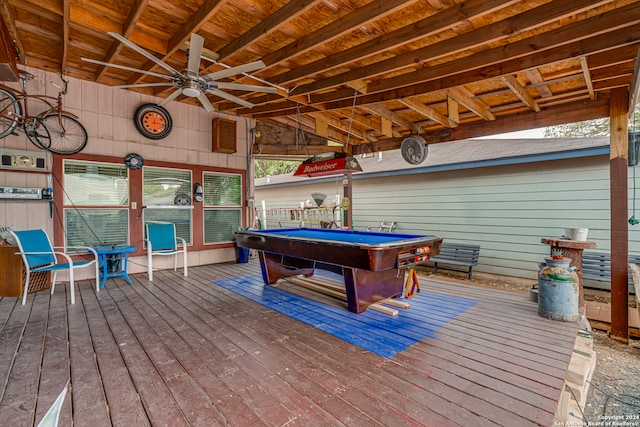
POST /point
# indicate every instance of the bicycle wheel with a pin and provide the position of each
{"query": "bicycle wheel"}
(68, 136)
(37, 132)
(9, 112)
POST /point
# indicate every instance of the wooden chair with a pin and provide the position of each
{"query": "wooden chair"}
(40, 256)
(162, 240)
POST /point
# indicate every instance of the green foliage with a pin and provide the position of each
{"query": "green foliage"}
(597, 127)
(274, 167)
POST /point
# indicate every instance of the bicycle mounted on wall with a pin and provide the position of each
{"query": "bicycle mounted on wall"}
(54, 129)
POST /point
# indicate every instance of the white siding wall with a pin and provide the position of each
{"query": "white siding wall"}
(505, 209)
(292, 196)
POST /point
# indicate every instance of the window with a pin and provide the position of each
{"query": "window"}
(223, 206)
(164, 192)
(96, 199)
(163, 186)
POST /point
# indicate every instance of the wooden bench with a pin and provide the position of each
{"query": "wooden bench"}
(456, 255)
(596, 266)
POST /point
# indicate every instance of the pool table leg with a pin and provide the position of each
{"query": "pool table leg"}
(275, 266)
(368, 287)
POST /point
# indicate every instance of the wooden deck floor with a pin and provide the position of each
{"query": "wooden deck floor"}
(184, 351)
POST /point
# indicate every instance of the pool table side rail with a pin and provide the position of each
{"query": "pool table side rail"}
(367, 257)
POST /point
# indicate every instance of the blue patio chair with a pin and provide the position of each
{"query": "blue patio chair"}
(40, 256)
(162, 240)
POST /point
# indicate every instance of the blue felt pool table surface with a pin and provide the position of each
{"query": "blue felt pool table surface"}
(342, 236)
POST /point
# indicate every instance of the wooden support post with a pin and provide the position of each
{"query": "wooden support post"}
(618, 169)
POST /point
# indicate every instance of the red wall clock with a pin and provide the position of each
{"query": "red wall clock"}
(153, 121)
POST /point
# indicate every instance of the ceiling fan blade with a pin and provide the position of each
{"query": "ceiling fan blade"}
(205, 102)
(232, 71)
(195, 52)
(249, 88)
(142, 85)
(230, 97)
(122, 67)
(171, 97)
(144, 53)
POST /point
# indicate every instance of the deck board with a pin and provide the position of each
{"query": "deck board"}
(185, 351)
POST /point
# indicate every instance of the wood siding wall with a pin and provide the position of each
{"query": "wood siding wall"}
(505, 209)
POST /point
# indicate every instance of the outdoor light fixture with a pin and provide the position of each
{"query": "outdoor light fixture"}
(328, 164)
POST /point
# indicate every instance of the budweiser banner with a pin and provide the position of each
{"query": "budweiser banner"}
(340, 165)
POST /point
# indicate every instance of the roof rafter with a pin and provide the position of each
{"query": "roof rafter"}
(491, 33)
(127, 28)
(429, 112)
(519, 90)
(445, 19)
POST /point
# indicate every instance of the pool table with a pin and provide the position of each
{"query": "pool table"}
(371, 263)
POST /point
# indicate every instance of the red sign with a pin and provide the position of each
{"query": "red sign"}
(328, 167)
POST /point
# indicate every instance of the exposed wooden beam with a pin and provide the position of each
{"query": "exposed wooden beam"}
(445, 19)
(65, 35)
(565, 113)
(46, 33)
(10, 22)
(395, 118)
(470, 69)
(347, 128)
(453, 110)
(618, 172)
(292, 150)
(465, 97)
(307, 124)
(286, 13)
(587, 76)
(369, 122)
(492, 63)
(534, 51)
(538, 82)
(193, 24)
(524, 96)
(322, 127)
(128, 26)
(532, 18)
(386, 126)
(355, 19)
(429, 112)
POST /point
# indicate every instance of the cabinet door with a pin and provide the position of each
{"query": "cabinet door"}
(11, 272)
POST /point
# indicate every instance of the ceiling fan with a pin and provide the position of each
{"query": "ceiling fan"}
(190, 83)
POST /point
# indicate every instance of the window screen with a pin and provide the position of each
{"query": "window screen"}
(221, 224)
(95, 227)
(222, 189)
(163, 185)
(95, 184)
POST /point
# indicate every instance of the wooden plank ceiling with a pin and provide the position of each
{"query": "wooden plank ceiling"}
(361, 73)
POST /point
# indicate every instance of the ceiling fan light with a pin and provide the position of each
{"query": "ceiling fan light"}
(190, 92)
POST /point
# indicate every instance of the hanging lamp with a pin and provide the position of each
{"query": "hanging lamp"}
(327, 164)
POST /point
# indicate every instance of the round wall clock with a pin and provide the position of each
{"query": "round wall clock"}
(153, 121)
(133, 161)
